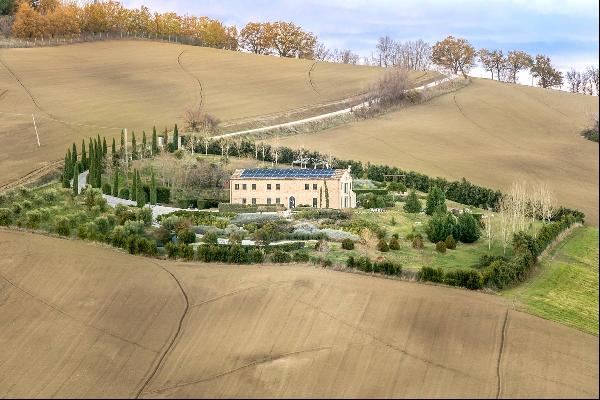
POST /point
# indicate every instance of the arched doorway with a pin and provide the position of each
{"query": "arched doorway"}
(292, 202)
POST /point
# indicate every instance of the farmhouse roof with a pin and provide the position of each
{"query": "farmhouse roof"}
(288, 173)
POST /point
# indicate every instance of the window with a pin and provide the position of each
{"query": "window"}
(345, 188)
(254, 200)
(237, 186)
(306, 186)
(243, 201)
(268, 186)
(268, 200)
(277, 186)
(314, 202)
(244, 186)
(345, 202)
(314, 186)
(254, 186)
(278, 201)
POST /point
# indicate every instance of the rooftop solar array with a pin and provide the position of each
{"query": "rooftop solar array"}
(288, 173)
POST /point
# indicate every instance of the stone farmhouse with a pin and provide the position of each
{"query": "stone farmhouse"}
(293, 187)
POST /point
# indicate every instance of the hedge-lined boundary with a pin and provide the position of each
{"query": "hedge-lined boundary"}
(501, 273)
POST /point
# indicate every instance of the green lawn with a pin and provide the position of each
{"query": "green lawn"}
(565, 289)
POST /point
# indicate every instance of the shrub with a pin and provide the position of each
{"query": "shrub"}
(440, 246)
(270, 232)
(466, 278)
(281, 257)
(186, 236)
(144, 215)
(124, 193)
(103, 225)
(256, 256)
(468, 228)
(133, 228)
(396, 187)
(383, 246)
(436, 201)
(326, 263)
(5, 217)
(300, 257)
(117, 236)
(450, 242)
(62, 226)
(429, 274)
(50, 196)
(185, 251)
(210, 238)
(171, 250)
(34, 218)
(347, 244)
(394, 244)
(417, 242)
(350, 263)
(237, 255)
(16, 208)
(106, 188)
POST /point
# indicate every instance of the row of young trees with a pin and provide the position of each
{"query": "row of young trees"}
(586, 82)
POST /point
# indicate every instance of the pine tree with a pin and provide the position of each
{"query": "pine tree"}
(154, 141)
(75, 180)
(436, 201)
(175, 138)
(153, 189)
(83, 156)
(412, 204)
(115, 188)
(144, 148)
(134, 153)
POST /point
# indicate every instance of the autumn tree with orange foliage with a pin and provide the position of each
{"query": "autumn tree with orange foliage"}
(454, 54)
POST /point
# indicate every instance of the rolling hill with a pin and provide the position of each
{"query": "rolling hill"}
(77, 91)
(491, 133)
(100, 323)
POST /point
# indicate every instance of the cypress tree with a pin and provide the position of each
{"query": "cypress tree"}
(134, 186)
(90, 155)
(326, 195)
(144, 144)
(75, 180)
(412, 204)
(114, 151)
(436, 201)
(122, 149)
(141, 195)
(84, 159)
(99, 143)
(98, 159)
(104, 147)
(65, 174)
(153, 189)
(74, 154)
(175, 138)
(154, 141)
(134, 153)
(69, 167)
(115, 188)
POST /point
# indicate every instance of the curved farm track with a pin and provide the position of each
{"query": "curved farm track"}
(268, 331)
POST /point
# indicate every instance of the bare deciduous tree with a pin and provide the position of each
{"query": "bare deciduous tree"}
(517, 61)
(385, 52)
(345, 56)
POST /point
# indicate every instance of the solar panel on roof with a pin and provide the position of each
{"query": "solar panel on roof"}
(287, 173)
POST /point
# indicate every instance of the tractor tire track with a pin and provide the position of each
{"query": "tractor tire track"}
(234, 370)
(310, 80)
(171, 343)
(200, 89)
(500, 353)
(32, 175)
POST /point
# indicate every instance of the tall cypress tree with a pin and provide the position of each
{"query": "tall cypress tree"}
(75, 180)
(74, 154)
(134, 186)
(69, 167)
(154, 141)
(122, 148)
(326, 195)
(134, 153)
(90, 146)
(65, 174)
(114, 151)
(144, 144)
(141, 195)
(175, 138)
(152, 188)
(104, 147)
(84, 160)
(115, 188)
(99, 143)
(98, 159)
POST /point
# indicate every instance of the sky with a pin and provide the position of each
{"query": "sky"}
(565, 30)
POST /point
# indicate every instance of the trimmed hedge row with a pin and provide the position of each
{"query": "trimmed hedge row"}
(379, 267)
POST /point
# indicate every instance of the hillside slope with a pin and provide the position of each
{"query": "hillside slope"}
(77, 91)
(491, 133)
(100, 323)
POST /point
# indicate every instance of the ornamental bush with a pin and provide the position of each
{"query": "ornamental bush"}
(440, 247)
(394, 244)
(5, 216)
(62, 226)
(347, 244)
(412, 204)
(383, 246)
(450, 242)
(436, 201)
(417, 242)
(300, 257)
(186, 236)
(281, 257)
(467, 228)
(440, 226)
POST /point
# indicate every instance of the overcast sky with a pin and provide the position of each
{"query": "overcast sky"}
(566, 30)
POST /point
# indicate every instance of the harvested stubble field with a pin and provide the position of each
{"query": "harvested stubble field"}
(82, 320)
(77, 91)
(491, 133)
